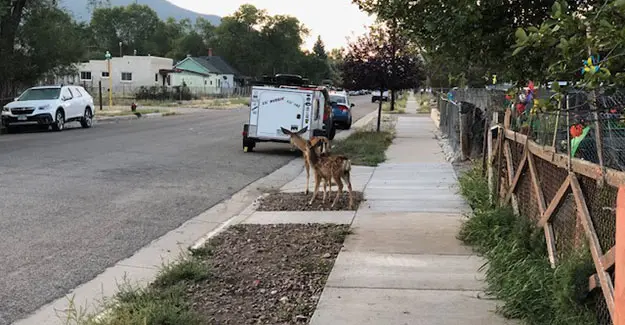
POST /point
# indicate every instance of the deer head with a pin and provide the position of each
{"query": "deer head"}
(320, 144)
(296, 139)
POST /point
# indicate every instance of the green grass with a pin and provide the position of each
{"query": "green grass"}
(365, 148)
(518, 271)
(400, 105)
(163, 302)
(424, 103)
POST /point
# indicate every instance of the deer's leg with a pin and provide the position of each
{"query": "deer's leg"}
(317, 180)
(348, 180)
(325, 184)
(307, 167)
(339, 184)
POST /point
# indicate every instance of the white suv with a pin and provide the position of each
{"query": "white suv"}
(50, 105)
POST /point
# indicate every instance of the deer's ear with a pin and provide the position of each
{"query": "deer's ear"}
(285, 131)
(302, 130)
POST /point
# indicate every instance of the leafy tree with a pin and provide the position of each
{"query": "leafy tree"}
(465, 40)
(572, 35)
(30, 45)
(134, 26)
(382, 59)
(320, 49)
(335, 61)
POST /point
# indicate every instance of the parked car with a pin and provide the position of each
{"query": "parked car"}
(50, 106)
(341, 109)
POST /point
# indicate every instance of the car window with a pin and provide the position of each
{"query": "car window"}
(40, 94)
(67, 93)
(338, 99)
(77, 92)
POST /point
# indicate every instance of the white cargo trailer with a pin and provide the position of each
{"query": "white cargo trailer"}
(291, 107)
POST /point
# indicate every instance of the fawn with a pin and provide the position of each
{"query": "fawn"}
(328, 168)
(301, 144)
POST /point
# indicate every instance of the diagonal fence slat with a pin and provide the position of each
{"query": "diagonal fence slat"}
(571, 207)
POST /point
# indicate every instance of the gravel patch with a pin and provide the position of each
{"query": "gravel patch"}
(298, 201)
(266, 274)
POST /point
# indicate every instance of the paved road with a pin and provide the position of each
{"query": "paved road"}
(76, 202)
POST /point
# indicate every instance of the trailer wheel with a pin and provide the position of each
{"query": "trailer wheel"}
(248, 146)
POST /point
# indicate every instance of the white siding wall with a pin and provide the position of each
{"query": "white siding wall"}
(144, 70)
(197, 83)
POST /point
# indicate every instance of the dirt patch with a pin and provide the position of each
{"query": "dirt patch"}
(267, 274)
(299, 202)
(248, 274)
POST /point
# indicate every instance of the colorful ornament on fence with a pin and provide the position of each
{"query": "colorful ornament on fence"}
(577, 130)
(450, 96)
(494, 79)
(520, 108)
(591, 65)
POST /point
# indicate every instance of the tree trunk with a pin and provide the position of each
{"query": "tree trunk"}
(392, 99)
(379, 110)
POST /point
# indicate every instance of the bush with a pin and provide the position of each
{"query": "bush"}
(519, 273)
(164, 93)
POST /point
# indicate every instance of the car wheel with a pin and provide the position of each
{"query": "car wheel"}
(349, 124)
(332, 133)
(59, 123)
(87, 119)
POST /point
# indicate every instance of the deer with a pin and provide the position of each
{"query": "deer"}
(327, 168)
(301, 144)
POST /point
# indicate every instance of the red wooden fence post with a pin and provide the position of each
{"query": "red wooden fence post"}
(619, 260)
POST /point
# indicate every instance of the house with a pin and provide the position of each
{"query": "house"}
(206, 74)
(128, 73)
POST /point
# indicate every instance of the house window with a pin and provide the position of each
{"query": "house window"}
(85, 75)
(156, 77)
(211, 82)
(105, 74)
(205, 82)
(168, 80)
(218, 82)
(126, 76)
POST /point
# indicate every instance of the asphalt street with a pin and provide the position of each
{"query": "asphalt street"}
(76, 202)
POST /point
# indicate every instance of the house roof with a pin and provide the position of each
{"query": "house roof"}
(178, 70)
(218, 64)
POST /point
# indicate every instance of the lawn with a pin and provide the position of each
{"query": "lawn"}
(366, 148)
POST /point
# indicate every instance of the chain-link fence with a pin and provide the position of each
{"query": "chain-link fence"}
(464, 116)
(557, 157)
(553, 158)
(125, 95)
(586, 128)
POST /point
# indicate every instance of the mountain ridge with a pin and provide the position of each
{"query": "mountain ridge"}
(163, 8)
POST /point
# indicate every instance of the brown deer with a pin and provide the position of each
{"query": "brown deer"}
(328, 168)
(301, 144)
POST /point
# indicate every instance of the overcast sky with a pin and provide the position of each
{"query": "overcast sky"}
(334, 20)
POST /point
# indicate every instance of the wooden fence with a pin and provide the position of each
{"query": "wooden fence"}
(573, 200)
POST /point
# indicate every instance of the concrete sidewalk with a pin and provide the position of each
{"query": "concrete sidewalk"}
(403, 263)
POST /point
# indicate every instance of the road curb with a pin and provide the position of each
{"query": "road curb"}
(127, 117)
